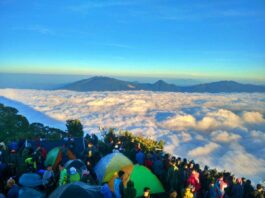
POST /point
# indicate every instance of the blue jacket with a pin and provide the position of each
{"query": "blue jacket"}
(13, 192)
(105, 190)
(118, 188)
(140, 157)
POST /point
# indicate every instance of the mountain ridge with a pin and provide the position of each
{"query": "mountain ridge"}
(103, 83)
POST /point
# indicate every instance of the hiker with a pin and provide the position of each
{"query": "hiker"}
(105, 191)
(91, 172)
(173, 194)
(40, 155)
(31, 164)
(148, 161)
(13, 161)
(63, 175)
(248, 189)
(139, 157)
(116, 149)
(220, 186)
(189, 192)
(13, 188)
(194, 181)
(118, 185)
(147, 192)
(237, 189)
(158, 167)
(73, 175)
(48, 179)
(258, 193)
(130, 191)
(172, 175)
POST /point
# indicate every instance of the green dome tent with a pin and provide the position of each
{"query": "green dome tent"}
(54, 156)
(110, 164)
(142, 177)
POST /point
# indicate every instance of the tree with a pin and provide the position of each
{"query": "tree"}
(74, 128)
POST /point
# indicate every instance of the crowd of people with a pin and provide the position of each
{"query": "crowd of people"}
(181, 178)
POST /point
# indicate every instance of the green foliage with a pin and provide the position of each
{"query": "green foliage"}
(129, 140)
(75, 128)
(14, 127)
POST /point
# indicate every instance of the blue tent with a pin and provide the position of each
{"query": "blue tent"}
(30, 192)
(30, 180)
(77, 189)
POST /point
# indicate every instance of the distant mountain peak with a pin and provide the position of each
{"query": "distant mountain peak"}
(103, 83)
(160, 82)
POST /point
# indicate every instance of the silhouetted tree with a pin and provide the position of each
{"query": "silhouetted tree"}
(75, 128)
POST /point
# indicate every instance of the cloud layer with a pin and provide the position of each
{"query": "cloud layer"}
(224, 131)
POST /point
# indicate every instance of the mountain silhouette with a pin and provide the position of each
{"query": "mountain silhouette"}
(99, 83)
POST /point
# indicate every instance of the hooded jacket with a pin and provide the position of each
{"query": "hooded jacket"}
(130, 191)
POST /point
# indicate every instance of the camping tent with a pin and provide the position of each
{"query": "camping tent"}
(78, 164)
(55, 155)
(30, 180)
(30, 192)
(110, 164)
(77, 189)
(142, 177)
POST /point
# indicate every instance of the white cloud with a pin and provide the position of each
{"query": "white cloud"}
(203, 150)
(253, 117)
(224, 136)
(180, 122)
(225, 131)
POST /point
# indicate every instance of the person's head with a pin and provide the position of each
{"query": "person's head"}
(130, 184)
(10, 182)
(173, 194)
(146, 192)
(121, 174)
(248, 182)
(191, 165)
(89, 145)
(88, 163)
(49, 167)
(61, 166)
(259, 187)
(191, 187)
(238, 180)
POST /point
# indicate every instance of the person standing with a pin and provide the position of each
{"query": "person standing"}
(130, 191)
(63, 175)
(118, 185)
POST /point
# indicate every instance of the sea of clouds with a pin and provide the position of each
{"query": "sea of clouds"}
(224, 131)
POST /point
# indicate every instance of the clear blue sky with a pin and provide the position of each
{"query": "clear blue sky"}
(192, 39)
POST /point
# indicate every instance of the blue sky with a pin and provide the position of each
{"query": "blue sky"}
(168, 39)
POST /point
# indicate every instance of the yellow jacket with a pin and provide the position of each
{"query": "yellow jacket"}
(188, 193)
